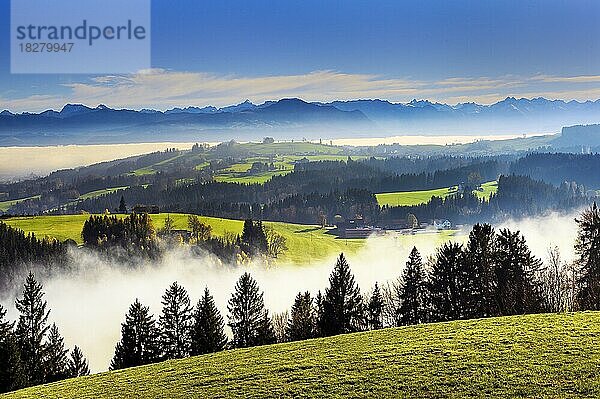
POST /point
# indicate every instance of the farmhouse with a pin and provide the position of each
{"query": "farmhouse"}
(442, 224)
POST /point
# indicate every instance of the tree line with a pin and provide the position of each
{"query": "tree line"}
(32, 351)
(19, 251)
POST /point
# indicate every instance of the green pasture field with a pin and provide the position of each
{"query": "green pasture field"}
(533, 356)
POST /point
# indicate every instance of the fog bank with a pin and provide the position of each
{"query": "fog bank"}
(89, 303)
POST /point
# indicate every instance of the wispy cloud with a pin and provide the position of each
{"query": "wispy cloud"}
(163, 89)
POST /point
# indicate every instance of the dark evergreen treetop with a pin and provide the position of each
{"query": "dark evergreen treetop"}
(302, 322)
(412, 292)
(32, 329)
(375, 309)
(342, 303)
(56, 356)
(139, 339)
(247, 314)
(445, 285)
(208, 333)
(516, 267)
(175, 322)
(587, 248)
(77, 365)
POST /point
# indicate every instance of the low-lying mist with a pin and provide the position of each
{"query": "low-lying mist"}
(89, 303)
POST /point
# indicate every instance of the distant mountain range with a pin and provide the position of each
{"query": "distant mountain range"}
(291, 118)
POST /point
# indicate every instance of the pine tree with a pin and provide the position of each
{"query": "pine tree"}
(12, 374)
(77, 365)
(168, 226)
(32, 328)
(445, 289)
(139, 339)
(342, 303)
(375, 309)
(56, 356)
(587, 248)
(302, 323)
(412, 292)
(480, 265)
(6, 326)
(265, 333)
(122, 205)
(247, 315)
(175, 323)
(517, 292)
(320, 316)
(208, 327)
(254, 238)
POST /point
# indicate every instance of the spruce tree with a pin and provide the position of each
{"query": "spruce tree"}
(265, 333)
(517, 292)
(12, 374)
(412, 292)
(32, 329)
(375, 309)
(175, 323)
(342, 304)
(122, 205)
(445, 288)
(320, 316)
(56, 356)
(248, 318)
(139, 339)
(77, 365)
(302, 322)
(587, 248)
(208, 327)
(480, 271)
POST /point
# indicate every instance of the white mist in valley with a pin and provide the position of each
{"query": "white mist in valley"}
(89, 303)
(545, 232)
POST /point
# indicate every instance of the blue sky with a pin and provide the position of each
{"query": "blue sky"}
(221, 52)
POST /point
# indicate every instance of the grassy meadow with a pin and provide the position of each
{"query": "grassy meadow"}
(306, 243)
(409, 198)
(4, 205)
(537, 356)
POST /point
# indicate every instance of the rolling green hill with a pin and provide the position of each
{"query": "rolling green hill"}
(408, 198)
(521, 356)
(4, 205)
(306, 243)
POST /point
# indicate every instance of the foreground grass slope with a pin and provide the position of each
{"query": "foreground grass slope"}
(532, 356)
